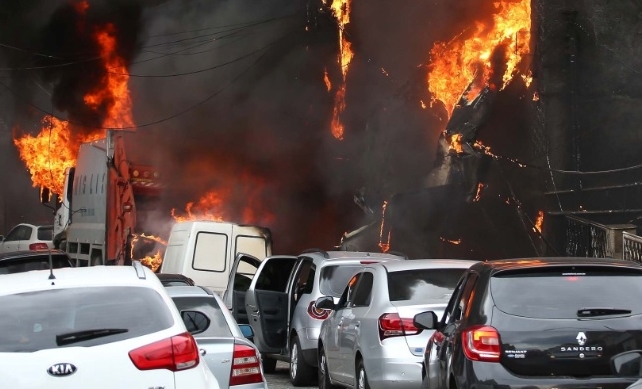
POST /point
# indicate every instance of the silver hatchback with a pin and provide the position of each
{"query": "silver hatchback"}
(369, 340)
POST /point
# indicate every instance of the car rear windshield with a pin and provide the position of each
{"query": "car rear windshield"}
(217, 326)
(36, 262)
(45, 233)
(31, 321)
(559, 293)
(334, 279)
(424, 286)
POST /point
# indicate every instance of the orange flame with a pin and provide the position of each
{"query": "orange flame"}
(539, 222)
(55, 148)
(451, 241)
(341, 10)
(384, 246)
(153, 261)
(326, 79)
(455, 64)
(208, 207)
(480, 186)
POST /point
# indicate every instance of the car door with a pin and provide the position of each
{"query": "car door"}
(358, 307)
(243, 270)
(267, 303)
(12, 241)
(451, 322)
(342, 315)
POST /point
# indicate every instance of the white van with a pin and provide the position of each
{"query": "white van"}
(205, 250)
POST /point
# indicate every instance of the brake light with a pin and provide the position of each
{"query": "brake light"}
(38, 246)
(246, 366)
(318, 313)
(481, 343)
(368, 262)
(177, 353)
(390, 325)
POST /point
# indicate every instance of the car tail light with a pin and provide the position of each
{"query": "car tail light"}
(390, 325)
(246, 366)
(481, 343)
(368, 262)
(38, 246)
(317, 313)
(177, 353)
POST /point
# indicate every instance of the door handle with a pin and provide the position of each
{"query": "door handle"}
(203, 351)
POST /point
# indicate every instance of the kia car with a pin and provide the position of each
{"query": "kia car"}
(536, 323)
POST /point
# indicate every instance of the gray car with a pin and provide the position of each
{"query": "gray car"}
(369, 340)
(223, 344)
(278, 301)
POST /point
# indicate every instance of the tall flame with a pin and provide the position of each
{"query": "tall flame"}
(55, 148)
(539, 222)
(341, 10)
(455, 64)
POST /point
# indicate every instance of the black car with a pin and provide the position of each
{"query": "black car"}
(169, 279)
(536, 323)
(23, 261)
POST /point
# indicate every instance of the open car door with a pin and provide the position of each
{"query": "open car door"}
(267, 303)
(242, 272)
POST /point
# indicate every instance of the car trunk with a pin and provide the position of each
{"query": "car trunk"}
(216, 352)
(407, 310)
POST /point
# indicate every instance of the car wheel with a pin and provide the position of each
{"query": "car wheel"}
(323, 373)
(300, 372)
(362, 377)
(269, 365)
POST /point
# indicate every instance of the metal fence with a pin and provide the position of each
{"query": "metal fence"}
(631, 247)
(586, 238)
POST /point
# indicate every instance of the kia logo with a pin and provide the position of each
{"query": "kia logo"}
(61, 369)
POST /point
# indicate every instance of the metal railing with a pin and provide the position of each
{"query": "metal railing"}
(631, 247)
(586, 238)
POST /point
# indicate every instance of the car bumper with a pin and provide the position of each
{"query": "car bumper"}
(485, 375)
(397, 373)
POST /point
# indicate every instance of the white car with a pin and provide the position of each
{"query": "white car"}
(95, 327)
(27, 237)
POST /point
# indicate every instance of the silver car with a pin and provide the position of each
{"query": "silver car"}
(223, 344)
(369, 340)
(278, 301)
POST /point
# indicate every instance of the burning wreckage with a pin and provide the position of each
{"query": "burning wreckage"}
(414, 222)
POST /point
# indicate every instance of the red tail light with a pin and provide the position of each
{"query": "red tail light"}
(481, 343)
(177, 353)
(38, 246)
(390, 325)
(246, 366)
(316, 313)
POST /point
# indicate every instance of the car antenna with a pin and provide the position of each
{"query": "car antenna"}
(51, 275)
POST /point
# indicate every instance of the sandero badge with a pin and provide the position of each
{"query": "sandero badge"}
(61, 369)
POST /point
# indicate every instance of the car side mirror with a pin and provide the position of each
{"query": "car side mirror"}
(627, 364)
(426, 320)
(247, 330)
(196, 322)
(325, 302)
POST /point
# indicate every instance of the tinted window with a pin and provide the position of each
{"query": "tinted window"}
(348, 294)
(218, 326)
(45, 233)
(30, 321)
(275, 274)
(39, 262)
(423, 285)
(175, 283)
(210, 252)
(560, 293)
(335, 278)
(363, 294)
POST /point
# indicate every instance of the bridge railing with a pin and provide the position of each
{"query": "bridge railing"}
(586, 238)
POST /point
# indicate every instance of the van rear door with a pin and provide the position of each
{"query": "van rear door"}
(242, 272)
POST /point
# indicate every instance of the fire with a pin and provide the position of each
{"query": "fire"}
(455, 64)
(326, 79)
(480, 186)
(153, 261)
(385, 246)
(451, 241)
(539, 222)
(341, 10)
(55, 148)
(208, 207)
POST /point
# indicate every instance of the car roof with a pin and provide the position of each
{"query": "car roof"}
(334, 255)
(75, 277)
(29, 253)
(496, 266)
(186, 291)
(426, 264)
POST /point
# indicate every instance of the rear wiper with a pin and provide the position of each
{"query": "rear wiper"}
(79, 336)
(592, 312)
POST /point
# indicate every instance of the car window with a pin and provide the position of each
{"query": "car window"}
(462, 301)
(31, 321)
(218, 326)
(333, 279)
(45, 233)
(348, 292)
(363, 294)
(36, 262)
(425, 286)
(25, 233)
(453, 302)
(561, 292)
(275, 274)
(14, 234)
(175, 283)
(304, 280)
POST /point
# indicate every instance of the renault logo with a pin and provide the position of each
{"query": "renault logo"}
(61, 369)
(581, 339)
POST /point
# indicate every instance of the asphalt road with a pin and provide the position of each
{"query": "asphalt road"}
(281, 379)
